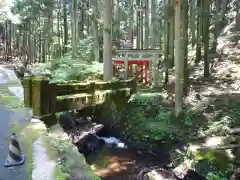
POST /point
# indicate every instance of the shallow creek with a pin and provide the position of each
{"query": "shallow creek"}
(120, 162)
(111, 158)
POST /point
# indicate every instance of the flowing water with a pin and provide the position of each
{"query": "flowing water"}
(117, 162)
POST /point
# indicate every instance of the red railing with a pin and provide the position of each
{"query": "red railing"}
(141, 68)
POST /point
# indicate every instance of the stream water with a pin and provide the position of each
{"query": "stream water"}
(109, 157)
(115, 161)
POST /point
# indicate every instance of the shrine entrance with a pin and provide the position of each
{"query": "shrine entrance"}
(141, 63)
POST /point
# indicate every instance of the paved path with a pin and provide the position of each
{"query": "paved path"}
(15, 173)
(6, 119)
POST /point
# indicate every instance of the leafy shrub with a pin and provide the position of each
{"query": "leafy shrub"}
(147, 120)
(215, 176)
(84, 48)
(65, 69)
(214, 164)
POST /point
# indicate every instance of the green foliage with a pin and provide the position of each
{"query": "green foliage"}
(218, 127)
(228, 117)
(80, 69)
(211, 164)
(147, 120)
(65, 69)
(144, 99)
(6, 13)
(84, 48)
(215, 176)
(220, 161)
(235, 114)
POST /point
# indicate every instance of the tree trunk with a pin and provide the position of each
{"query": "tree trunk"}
(206, 23)
(59, 50)
(107, 40)
(30, 45)
(141, 25)
(179, 60)
(185, 45)
(237, 19)
(94, 26)
(199, 32)
(193, 21)
(153, 23)
(138, 31)
(155, 79)
(117, 24)
(10, 25)
(74, 28)
(65, 26)
(167, 39)
(131, 22)
(146, 34)
(217, 26)
(171, 37)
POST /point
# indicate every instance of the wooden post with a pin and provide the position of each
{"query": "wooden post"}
(145, 72)
(136, 75)
(126, 65)
(92, 91)
(27, 89)
(154, 71)
(39, 85)
(42, 100)
(150, 67)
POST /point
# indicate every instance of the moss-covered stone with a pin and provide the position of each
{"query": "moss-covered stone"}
(59, 149)
(27, 85)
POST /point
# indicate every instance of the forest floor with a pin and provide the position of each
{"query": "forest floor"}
(212, 110)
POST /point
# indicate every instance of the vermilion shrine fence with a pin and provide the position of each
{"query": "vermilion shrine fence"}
(144, 59)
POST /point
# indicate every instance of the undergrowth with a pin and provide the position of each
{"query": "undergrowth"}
(66, 68)
(148, 120)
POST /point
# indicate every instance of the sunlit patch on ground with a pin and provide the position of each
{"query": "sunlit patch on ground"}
(119, 164)
(214, 141)
(109, 165)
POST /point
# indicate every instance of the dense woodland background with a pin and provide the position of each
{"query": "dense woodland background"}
(68, 32)
(76, 40)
